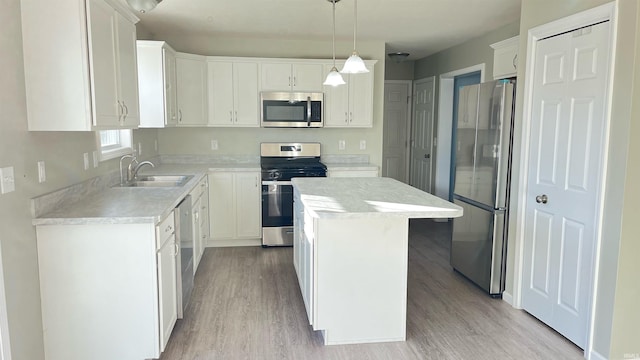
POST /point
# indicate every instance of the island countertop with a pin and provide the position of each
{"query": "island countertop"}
(370, 197)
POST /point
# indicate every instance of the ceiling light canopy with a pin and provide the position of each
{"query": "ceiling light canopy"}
(354, 64)
(143, 6)
(334, 78)
(398, 57)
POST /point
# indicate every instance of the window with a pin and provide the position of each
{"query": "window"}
(113, 143)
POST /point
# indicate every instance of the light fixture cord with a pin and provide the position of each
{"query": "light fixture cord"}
(355, 22)
(334, 33)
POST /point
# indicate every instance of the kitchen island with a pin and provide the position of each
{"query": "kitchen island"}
(351, 253)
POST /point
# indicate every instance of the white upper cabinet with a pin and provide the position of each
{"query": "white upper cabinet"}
(80, 65)
(297, 77)
(191, 79)
(157, 84)
(233, 93)
(505, 58)
(350, 105)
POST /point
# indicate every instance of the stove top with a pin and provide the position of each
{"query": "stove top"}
(283, 161)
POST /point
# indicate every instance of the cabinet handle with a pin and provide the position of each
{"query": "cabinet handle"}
(126, 109)
(294, 81)
(289, 80)
(179, 115)
(350, 116)
(120, 112)
(168, 229)
(176, 247)
(230, 116)
(236, 117)
(515, 61)
(346, 117)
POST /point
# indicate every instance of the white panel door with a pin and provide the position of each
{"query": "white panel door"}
(422, 135)
(396, 127)
(564, 178)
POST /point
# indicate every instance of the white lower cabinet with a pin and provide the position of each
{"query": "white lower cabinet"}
(235, 211)
(108, 291)
(200, 220)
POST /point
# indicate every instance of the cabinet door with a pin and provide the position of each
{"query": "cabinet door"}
(191, 74)
(361, 99)
(220, 76)
(167, 289)
(245, 85)
(248, 210)
(221, 207)
(102, 55)
(127, 71)
(336, 107)
(307, 77)
(276, 76)
(171, 107)
(204, 223)
(195, 228)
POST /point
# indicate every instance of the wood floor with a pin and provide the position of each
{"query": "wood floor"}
(246, 304)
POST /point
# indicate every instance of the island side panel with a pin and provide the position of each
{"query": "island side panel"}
(99, 292)
(361, 273)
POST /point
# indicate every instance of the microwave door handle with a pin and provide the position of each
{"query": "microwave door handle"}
(308, 111)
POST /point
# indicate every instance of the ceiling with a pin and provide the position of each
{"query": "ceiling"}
(419, 27)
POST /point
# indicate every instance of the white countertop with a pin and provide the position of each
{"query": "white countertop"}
(123, 205)
(370, 197)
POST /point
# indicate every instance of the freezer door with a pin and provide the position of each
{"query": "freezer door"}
(478, 247)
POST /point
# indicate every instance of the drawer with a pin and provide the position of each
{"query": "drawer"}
(164, 230)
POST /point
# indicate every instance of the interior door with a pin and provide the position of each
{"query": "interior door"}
(564, 178)
(396, 128)
(422, 135)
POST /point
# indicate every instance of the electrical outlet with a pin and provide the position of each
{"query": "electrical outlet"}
(214, 144)
(7, 180)
(42, 174)
(139, 149)
(363, 144)
(341, 144)
(95, 158)
(85, 160)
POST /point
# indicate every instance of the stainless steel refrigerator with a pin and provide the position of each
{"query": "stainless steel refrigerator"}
(481, 176)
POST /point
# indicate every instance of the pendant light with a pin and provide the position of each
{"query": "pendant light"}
(354, 64)
(143, 6)
(334, 78)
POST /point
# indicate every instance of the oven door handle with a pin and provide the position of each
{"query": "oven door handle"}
(264, 182)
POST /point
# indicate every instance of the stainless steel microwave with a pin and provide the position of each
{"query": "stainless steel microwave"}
(291, 109)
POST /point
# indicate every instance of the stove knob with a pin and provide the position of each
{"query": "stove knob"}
(275, 174)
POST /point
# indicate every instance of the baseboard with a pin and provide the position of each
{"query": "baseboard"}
(594, 355)
(507, 297)
(234, 242)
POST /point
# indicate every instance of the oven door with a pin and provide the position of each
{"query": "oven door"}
(277, 213)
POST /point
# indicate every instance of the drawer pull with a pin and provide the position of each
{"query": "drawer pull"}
(168, 229)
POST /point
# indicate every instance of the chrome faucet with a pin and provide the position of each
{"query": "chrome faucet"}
(124, 180)
(134, 173)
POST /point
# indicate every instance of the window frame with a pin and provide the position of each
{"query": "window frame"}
(123, 147)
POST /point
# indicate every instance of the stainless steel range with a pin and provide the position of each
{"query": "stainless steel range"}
(280, 162)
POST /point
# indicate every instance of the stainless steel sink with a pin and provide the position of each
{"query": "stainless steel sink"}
(158, 181)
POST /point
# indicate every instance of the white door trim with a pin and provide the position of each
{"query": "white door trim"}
(409, 84)
(444, 121)
(518, 202)
(5, 348)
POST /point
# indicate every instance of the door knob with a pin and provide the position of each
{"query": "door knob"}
(542, 199)
(427, 156)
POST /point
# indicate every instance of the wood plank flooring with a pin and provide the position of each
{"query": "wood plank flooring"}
(246, 304)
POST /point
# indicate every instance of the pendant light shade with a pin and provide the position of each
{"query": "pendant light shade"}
(354, 64)
(143, 6)
(334, 78)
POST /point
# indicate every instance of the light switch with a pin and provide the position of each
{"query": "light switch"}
(7, 180)
(341, 144)
(42, 176)
(214, 144)
(363, 144)
(85, 159)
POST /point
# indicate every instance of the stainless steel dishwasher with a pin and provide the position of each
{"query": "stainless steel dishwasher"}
(184, 231)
